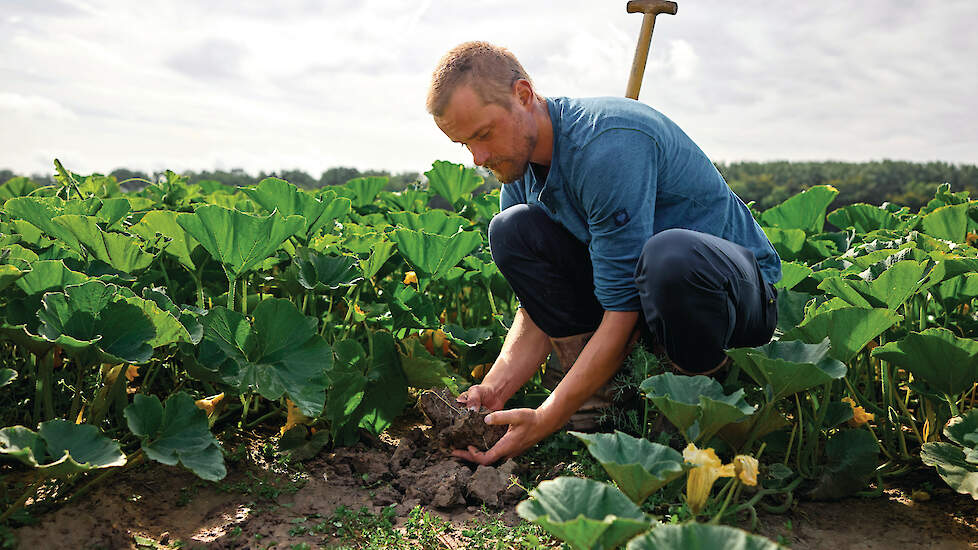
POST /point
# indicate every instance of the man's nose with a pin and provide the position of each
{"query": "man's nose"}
(479, 154)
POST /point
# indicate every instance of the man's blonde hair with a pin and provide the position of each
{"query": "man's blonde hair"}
(491, 70)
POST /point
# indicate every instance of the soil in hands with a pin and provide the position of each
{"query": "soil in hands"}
(261, 502)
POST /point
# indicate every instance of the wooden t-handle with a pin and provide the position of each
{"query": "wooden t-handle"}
(650, 8)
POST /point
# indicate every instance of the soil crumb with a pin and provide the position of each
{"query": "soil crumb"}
(457, 427)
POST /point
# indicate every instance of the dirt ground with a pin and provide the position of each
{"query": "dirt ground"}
(255, 505)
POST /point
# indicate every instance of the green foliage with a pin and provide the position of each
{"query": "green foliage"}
(176, 432)
(696, 405)
(698, 536)
(638, 466)
(584, 513)
(60, 449)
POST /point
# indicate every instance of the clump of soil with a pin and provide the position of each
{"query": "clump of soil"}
(455, 426)
(420, 471)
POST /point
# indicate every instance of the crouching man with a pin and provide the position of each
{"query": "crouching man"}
(613, 223)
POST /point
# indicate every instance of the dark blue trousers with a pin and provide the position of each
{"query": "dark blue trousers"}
(700, 294)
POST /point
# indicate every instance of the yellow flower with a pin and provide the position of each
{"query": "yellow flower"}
(132, 371)
(410, 277)
(746, 468)
(294, 418)
(209, 404)
(859, 414)
(707, 469)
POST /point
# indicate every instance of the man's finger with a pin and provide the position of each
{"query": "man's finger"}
(500, 418)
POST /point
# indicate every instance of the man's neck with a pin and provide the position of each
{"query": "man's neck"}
(543, 151)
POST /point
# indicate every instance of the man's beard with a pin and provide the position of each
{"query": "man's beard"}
(517, 166)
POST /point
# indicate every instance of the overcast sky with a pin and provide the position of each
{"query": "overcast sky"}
(311, 84)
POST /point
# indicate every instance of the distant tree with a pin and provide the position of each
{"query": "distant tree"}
(6, 175)
(338, 176)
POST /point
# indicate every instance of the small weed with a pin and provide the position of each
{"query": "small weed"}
(235, 532)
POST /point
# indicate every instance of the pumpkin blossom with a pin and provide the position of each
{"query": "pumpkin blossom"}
(209, 404)
(746, 469)
(859, 414)
(294, 418)
(707, 469)
(410, 278)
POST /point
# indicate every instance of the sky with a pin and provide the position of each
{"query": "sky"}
(314, 84)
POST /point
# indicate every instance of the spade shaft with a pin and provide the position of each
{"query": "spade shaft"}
(650, 8)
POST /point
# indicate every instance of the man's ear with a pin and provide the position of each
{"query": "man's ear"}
(524, 92)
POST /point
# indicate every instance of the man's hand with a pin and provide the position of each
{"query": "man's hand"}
(481, 395)
(526, 428)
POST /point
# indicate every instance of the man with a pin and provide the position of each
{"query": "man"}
(613, 222)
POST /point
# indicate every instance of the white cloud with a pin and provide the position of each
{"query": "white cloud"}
(309, 84)
(34, 106)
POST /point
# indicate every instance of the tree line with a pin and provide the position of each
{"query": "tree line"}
(766, 183)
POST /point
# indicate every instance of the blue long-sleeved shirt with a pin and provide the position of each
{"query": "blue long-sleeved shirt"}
(621, 172)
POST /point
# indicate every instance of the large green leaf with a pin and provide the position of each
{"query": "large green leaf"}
(164, 223)
(410, 200)
(851, 460)
(280, 355)
(957, 290)
(410, 308)
(948, 222)
(176, 432)
(467, 337)
(890, 289)
(40, 212)
(381, 251)
(805, 211)
(953, 466)
(432, 256)
(686, 400)
(586, 514)
(365, 189)
(92, 323)
(386, 392)
(784, 368)
(347, 383)
(700, 536)
(848, 328)
(638, 466)
(168, 328)
(274, 194)
(239, 241)
(60, 448)
(46, 275)
(791, 274)
(787, 242)
(9, 274)
(863, 218)
(320, 272)
(16, 187)
(452, 181)
(947, 363)
(436, 222)
(119, 251)
(963, 429)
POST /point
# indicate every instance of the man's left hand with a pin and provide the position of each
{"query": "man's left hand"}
(526, 428)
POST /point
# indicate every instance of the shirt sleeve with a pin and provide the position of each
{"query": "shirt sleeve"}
(616, 173)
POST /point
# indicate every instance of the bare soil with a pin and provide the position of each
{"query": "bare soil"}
(259, 503)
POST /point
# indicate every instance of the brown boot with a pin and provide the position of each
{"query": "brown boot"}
(566, 350)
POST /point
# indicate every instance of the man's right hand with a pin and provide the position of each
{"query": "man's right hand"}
(481, 395)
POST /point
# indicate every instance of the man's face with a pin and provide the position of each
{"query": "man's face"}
(500, 139)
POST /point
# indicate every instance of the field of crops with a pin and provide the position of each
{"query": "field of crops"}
(147, 326)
